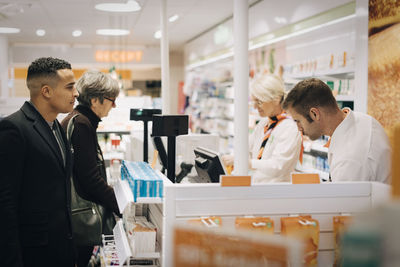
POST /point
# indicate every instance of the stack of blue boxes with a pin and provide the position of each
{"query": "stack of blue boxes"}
(142, 179)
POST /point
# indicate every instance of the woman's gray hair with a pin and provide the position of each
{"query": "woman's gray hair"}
(268, 87)
(96, 84)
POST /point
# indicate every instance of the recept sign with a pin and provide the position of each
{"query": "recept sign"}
(118, 56)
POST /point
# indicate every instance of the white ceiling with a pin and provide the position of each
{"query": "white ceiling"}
(60, 17)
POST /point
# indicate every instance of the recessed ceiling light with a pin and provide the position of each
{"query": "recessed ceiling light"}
(129, 6)
(173, 18)
(280, 20)
(112, 32)
(157, 34)
(40, 32)
(77, 33)
(9, 30)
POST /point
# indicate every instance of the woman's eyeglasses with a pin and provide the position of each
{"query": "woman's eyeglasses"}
(257, 102)
(110, 99)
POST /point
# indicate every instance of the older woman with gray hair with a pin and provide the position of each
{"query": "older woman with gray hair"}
(275, 143)
(97, 94)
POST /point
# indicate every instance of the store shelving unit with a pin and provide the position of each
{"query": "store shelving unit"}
(182, 202)
(346, 73)
(321, 201)
(115, 250)
(214, 109)
(339, 73)
(124, 196)
(121, 243)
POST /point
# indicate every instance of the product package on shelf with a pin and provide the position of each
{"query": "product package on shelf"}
(340, 224)
(129, 213)
(306, 230)
(141, 235)
(108, 253)
(259, 224)
(142, 179)
(213, 221)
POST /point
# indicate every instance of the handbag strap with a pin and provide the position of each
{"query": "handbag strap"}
(77, 202)
(70, 128)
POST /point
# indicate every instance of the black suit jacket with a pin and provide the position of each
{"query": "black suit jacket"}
(34, 193)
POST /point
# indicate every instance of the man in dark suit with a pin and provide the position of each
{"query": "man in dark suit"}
(35, 171)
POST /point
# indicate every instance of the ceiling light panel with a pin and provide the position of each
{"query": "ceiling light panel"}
(157, 34)
(40, 32)
(9, 30)
(129, 6)
(77, 33)
(173, 18)
(112, 32)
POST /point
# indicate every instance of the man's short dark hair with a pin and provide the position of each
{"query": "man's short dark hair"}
(46, 68)
(307, 94)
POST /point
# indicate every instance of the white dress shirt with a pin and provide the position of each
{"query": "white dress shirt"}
(359, 150)
(280, 154)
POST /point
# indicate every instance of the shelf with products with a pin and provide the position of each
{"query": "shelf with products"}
(341, 82)
(116, 251)
(315, 157)
(124, 196)
(213, 112)
(184, 202)
(150, 217)
(339, 73)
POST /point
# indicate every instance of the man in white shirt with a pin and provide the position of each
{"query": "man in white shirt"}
(275, 143)
(359, 148)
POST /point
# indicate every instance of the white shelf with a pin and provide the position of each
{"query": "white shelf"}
(121, 243)
(113, 155)
(343, 73)
(123, 249)
(224, 84)
(149, 200)
(110, 131)
(148, 255)
(123, 194)
(345, 98)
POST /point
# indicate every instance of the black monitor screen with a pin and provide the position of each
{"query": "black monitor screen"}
(208, 164)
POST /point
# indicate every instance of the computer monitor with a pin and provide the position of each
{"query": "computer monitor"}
(208, 165)
(185, 144)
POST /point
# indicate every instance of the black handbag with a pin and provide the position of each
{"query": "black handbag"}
(89, 220)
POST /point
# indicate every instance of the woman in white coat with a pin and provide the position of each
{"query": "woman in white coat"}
(275, 143)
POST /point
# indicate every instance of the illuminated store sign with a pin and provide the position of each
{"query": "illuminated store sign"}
(118, 56)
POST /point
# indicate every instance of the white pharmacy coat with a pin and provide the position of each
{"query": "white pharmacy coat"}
(280, 154)
(359, 150)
